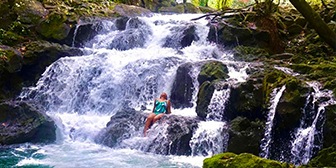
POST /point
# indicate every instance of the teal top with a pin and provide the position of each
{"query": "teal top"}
(160, 107)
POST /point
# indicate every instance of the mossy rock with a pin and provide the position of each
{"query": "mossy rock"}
(203, 98)
(5, 18)
(246, 100)
(325, 158)
(23, 123)
(29, 11)
(191, 8)
(54, 27)
(10, 38)
(231, 160)
(172, 9)
(249, 54)
(245, 135)
(212, 71)
(329, 128)
(10, 60)
(271, 81)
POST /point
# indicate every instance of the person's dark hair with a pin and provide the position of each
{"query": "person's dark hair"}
(164, 95)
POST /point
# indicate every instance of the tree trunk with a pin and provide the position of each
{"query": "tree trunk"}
(316, 22)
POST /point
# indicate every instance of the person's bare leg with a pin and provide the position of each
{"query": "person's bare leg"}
(149, 120)
(158, 117)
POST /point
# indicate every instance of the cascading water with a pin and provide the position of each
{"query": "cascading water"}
(308, 138)
(266, 141)
(121, 68)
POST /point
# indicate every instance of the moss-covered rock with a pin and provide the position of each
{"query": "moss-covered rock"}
(191, 8)
(39, 55)
(325, 158)
(246, 99)
(292, 102)
(231, 160)
(172, 9)
(54, 27)
(22, 123)
(249, 54)
(245, 135)
(29, 11)
(10, 60)
(203, 98)
(329, 128)
(131, 11)
(212, 71)
(5, 18)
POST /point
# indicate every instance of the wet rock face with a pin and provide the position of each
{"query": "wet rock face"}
(183, 87)
(245, 135)
(329, 128)
(22, 123)
(181, 37)
(203, 99)
(135, 35)
(129, 123)
(120, 127)
(246, 100)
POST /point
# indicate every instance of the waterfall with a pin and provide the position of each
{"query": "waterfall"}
(308, 138)
(266, 141)
(128, 68)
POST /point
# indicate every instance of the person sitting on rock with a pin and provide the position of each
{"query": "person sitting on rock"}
(161, 107)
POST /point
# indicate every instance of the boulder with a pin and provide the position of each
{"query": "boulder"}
(29, 11)
(245, 135)
(120, 126)
(10, 59)
(21, 123)
(203, 99)
(211, 71)
(54, 27)
(135, 35)
(128, 124)
(39, 55)
(329, 128)
(246, 100)
(191, 8)
(228, 160)
(233, 33)
(172, 9)
(5, 19)
(183, 87)
(181, 37)
(291, 103)
(131, 11)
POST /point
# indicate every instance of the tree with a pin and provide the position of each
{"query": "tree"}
(316, 22)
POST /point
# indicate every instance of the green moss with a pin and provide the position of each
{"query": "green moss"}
(230, 160)
(10, 38)
(10, 60)
(204, 97)
(271, 81)
(249, 54)
(55, 27)
(212, 71)
(325, 158)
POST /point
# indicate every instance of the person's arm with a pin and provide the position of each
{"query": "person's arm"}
(168, 107)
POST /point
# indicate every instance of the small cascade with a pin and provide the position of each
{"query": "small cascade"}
(74, 36)
(308, 138)
(266, 141)
(210, 138)
(217, 104)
